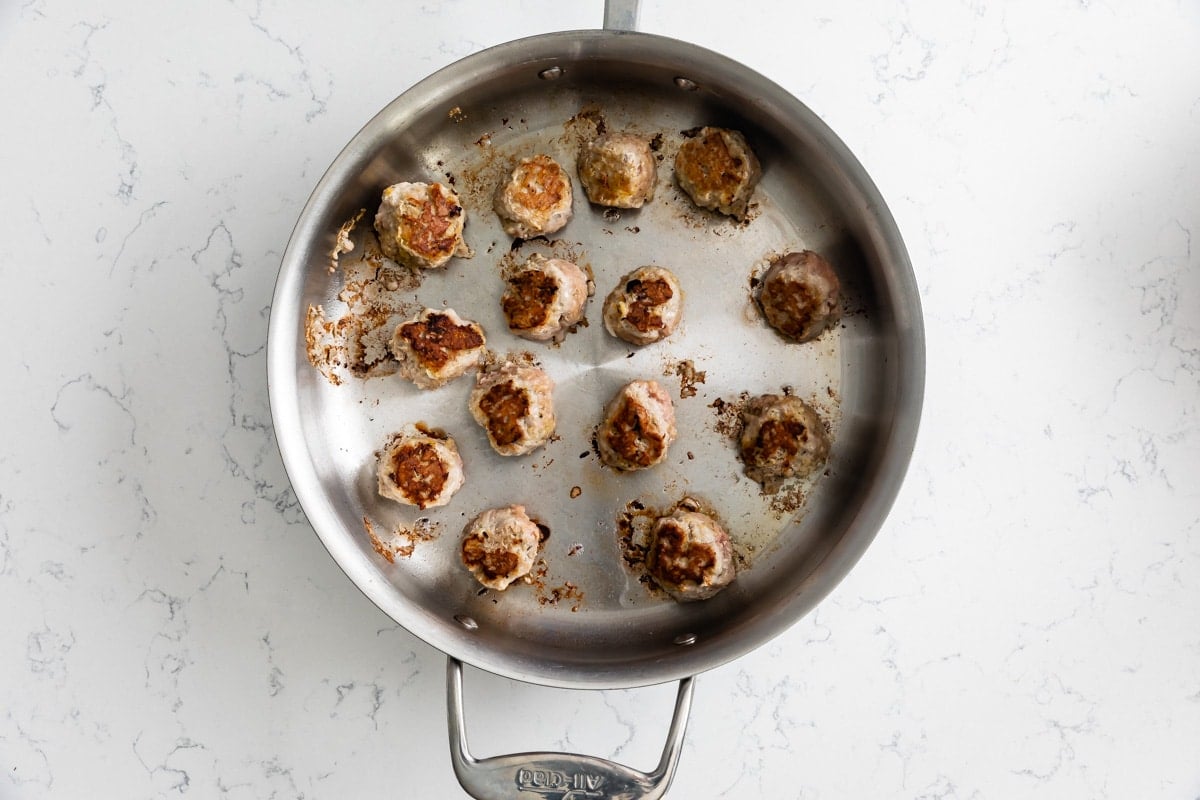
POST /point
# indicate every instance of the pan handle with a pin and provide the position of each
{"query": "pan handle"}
(620, 15)
(559, 776)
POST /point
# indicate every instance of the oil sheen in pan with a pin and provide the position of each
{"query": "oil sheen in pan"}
(721, 352)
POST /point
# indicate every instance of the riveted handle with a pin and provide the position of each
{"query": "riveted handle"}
(559, 776)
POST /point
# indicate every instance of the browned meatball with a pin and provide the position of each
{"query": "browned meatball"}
(800, 296)
(718, 170)
(420, 470)
(690, 555)
(638, 427)
(618, 170)
(515, 406)
(500, 546)
(421, 224)
(545, 298)
(435, 347)
(782, 437)
(645, 306)
(535, 199)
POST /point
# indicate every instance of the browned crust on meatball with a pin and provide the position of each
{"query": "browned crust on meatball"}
(504, 405)
(800, 296)
(436, 337)
(677, 562)
(605, 185)
(648, 297)
(790, 306)
(633, 436)
(418, 470)
(618, 170)
(782, 437)
(543, 171)
(709, 165)
(429, 233)
(527, 301)
(714, 175)
(492, 563)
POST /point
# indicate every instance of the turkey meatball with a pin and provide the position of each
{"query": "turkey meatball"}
(782, 437)
(690, 555)
(618, 170)
(545, 298)
(515, 406)
(419, 469)
(435, 347)
(421, 225)
(638, 427)
(535, 199)
(646, 306)
(500, 546)
(718, 170)
(800, 296)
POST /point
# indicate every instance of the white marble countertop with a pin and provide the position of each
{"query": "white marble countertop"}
(1027, 623)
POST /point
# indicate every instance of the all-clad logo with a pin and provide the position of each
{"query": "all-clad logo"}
(564, 785)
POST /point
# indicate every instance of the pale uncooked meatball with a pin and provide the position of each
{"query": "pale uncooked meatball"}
(535, 199)
(618, 170)
(515, 406)
(718, 170)
(690, 555)
(800, 296)
(418, 469)
(782, 437)
(421, 224)
(545, 298)
(638, 427)
(500, 546)
(645, 306)
(435, 347)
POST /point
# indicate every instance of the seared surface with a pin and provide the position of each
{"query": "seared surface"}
(500, 546)
(419, 470)
(800, 296)
(782, 437)
(638, 427)
(618, 170)
(718, 170)
(421, 224)
(645, 306)
(436, 347)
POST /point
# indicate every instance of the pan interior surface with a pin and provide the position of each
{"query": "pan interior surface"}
(590, 620)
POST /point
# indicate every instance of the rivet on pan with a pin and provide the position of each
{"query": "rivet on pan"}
(551, 73)
(686, 85)
(685, 639)
(467, 622)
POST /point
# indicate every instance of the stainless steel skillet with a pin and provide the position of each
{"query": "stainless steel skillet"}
(591, 622)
